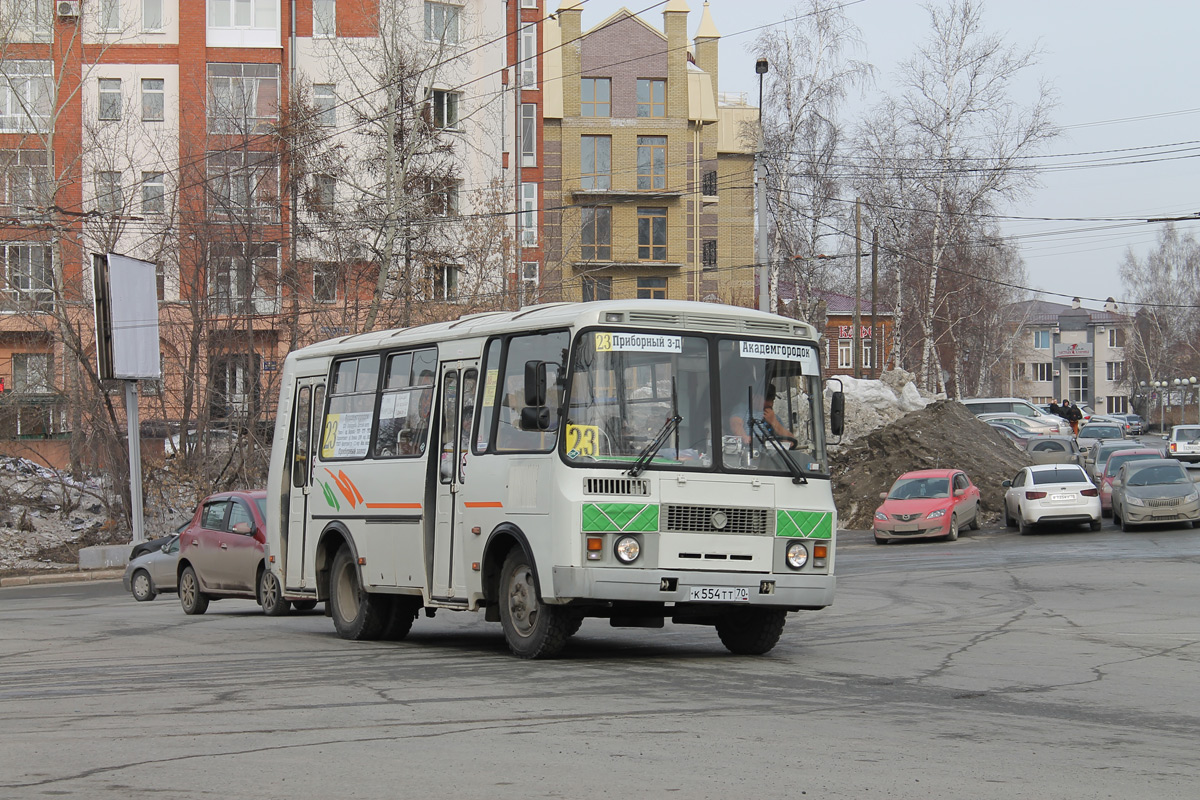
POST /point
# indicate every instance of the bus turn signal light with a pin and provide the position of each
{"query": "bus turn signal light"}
(595, 548)
(820, 550)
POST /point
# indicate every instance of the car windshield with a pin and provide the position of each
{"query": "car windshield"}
(1059, 475)
(1099, 432)
(1159, 476)
(917, 488)
(1115, 461)
(1187, 434)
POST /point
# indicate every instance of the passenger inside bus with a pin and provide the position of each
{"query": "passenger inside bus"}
(411, 438)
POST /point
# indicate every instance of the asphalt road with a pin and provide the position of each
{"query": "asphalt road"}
(1061, 665)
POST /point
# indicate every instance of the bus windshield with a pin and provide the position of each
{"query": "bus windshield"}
(626, 388)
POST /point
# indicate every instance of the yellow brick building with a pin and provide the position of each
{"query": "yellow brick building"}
(648, 172)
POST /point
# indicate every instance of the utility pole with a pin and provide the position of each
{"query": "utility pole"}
(876, 348)
(760, 200)
(856, 341)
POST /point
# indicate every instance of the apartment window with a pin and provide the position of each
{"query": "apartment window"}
(597, 289)
(442, 194)
(243, 185)
(527, 56)
(24, 182)
(528, 135)
(1114, 371)
(1019, 371)
(241, 14)
(29, 20)
(595, 158)
(1116, 337)
(324, 18)
(441, 23)
(445, 109)
(26, 89)
(243, 98)
(244, 278)
(110, 15)
(651, 98)
(152, 15)
(867, 352)
(109, 199)
(529, 3)
(708, 253)
(33, 373)
(529, 282)
(595, 97)
(325, 282)
(651, 162)
(1041, 340)
(1077, 382)
(596, 237)
(845, 354)
(708, 184)
(110, 99)
(234, 386)
(29, 274)
(652, 234)
(443, 282)
(1118, 405)
(153, 100)
(652, 288)
(1041, 371)
(528, 216)
(325, 101)
(153, 193)
(324, 193)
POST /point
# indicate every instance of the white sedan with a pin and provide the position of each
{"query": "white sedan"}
(1051, 493)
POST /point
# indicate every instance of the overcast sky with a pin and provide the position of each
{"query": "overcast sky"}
(1125, 77)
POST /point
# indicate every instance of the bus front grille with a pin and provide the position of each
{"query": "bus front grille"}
(714, 519)
(628, 487)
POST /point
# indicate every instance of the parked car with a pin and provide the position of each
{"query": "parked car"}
(1153, 491)
(1134, 426)
(1096, 457)
(1114, 463)
(1184, 443)
(155, 544)
(1015, 405)
(1034, 425)
(1093, 433)
(1020, 437)
(153, 573)
(221, 555)
(1051, 493)
(1053, 450)
(927, 503)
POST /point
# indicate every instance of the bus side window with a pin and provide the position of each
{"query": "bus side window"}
(492, 396)
(550, 348)
(301, 438)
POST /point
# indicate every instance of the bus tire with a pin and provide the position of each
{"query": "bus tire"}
(357, 614)
(304, 605)
(400, 617)
(532, 628)
(751, 631)
(270, 595)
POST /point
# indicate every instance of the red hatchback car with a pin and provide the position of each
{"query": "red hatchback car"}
(221, 554)
(927, 503)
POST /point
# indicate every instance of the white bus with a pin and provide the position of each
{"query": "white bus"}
(563, 461)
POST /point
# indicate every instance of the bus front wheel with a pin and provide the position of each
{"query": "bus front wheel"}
(357, 614)
(751, 631)
(532, 628)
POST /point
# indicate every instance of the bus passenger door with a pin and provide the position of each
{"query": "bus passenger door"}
(306, 428)
(454, 434)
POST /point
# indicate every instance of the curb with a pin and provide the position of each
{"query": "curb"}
(63, 577)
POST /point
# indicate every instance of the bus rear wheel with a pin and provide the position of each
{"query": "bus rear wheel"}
(751, 631)
(400, 617)
(357, 614)
(532, 628)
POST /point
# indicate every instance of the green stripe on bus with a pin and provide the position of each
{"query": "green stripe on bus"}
(619, 517)
(804, 524)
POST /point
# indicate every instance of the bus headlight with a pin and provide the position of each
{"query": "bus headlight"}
(627, 549)
(797, 555)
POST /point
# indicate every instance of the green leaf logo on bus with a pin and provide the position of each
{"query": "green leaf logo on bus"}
(330, 497)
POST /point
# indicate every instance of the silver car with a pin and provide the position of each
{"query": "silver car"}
(1093, 433)
(153, 573)
(1154, 490)
(1097, 456)
(1053, 450)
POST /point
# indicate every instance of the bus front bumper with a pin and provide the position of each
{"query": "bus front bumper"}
(790, 590)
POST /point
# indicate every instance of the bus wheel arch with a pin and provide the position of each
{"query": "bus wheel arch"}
(502, 539)
(331, 540)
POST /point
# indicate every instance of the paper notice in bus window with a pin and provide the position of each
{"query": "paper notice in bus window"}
(489, 387)
(805, 354)
(346, 435)
(638, 342)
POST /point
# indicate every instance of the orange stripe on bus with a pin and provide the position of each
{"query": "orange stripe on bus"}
(495, 504)
(393, 505)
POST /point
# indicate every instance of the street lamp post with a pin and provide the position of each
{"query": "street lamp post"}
(760, 199)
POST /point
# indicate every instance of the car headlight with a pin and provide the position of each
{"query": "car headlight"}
(627, 549)
(1191, 498)
(938, 512)
(882, 517)
(1135, 501)
(797, 555)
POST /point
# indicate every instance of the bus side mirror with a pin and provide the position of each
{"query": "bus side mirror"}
(535, 418)
(535, 383)
(837, 413)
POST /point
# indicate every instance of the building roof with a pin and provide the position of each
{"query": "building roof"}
(1043, 312)
(707, 29)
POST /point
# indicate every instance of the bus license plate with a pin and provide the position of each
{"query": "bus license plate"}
(720, 594)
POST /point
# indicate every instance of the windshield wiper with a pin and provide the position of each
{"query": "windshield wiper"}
(767, 435)
(651, 450)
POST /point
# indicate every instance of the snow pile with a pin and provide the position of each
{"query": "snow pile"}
(872, 404)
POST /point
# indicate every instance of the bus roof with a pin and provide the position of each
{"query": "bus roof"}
(682, 315)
